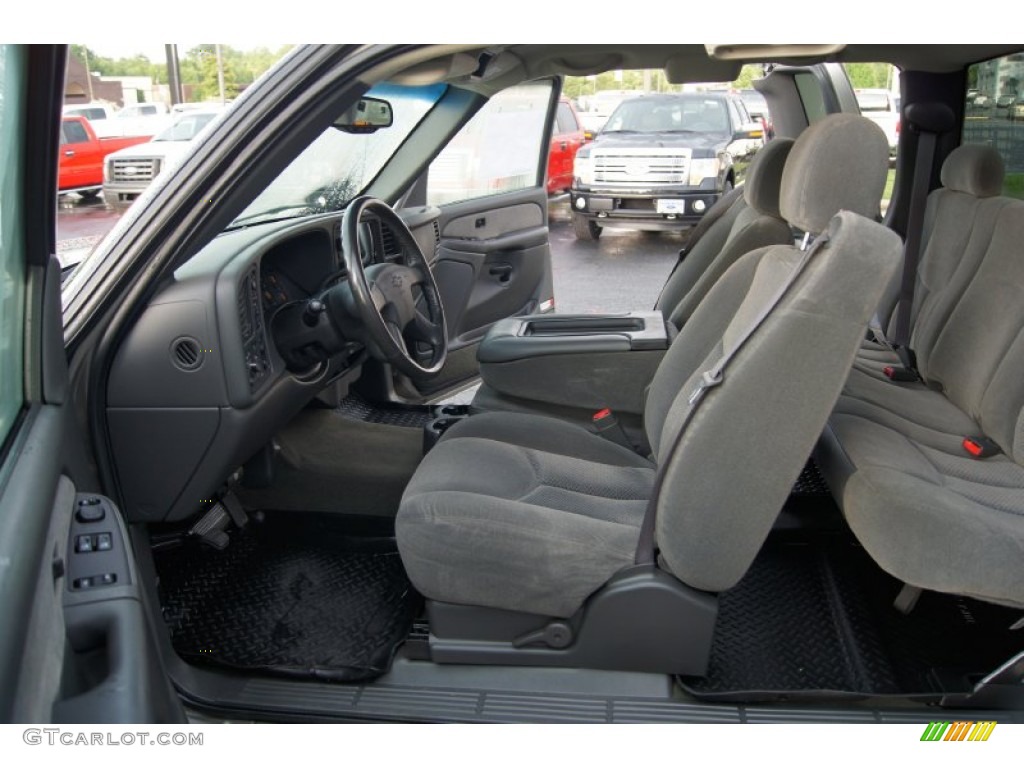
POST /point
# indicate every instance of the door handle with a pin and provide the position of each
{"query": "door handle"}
(501, 271)
(69, 153)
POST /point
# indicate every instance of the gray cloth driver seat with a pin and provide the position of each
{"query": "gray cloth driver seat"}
(532, 514)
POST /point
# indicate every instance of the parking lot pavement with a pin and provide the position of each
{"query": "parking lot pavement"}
(622, 271)
(81, 224)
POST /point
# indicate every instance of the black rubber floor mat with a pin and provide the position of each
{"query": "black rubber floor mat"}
(814, 619)
(355, 407)
(290, 595)
(811, 482)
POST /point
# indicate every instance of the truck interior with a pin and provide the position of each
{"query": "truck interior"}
(790, 491)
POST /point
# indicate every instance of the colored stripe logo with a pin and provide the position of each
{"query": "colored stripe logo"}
(961, 730)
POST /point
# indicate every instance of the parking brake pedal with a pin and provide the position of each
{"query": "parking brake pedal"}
(212, 527)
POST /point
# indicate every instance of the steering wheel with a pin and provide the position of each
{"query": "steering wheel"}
(399, 303)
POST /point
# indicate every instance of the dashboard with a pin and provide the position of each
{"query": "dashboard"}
(198, 386)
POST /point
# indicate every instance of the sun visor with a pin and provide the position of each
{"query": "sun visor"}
(690, 69)
(765, 52)
(437, 70)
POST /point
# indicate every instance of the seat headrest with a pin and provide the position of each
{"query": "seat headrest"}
(976, 169)
(839, 163)
(934, 117)
(764, 177)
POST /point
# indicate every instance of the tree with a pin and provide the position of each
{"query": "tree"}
(208, 82)
(868, 75)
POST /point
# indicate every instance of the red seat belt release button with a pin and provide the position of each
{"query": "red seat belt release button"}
(980, 447)
(899, 374)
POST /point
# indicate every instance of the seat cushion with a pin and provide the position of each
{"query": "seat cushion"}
(934, 518)
(522, 512)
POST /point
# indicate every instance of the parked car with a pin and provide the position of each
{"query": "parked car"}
(1016, 109)
(566, 138)
(144, 118)
(661, 161)
(880, 106)
(213, 429)
(82, 155)
(601, 105)
(1005, 100)
(757, 107)
(127, 173)
(100, 116)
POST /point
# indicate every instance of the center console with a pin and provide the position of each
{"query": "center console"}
(571, 366)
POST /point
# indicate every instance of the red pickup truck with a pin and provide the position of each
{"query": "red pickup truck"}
(82, 155)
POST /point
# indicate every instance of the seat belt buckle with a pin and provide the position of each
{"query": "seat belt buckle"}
(607, 426)
(980, 447)
(899, 373)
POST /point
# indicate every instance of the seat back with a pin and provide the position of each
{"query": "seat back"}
(728, 474)
(976, 350)
(752, 222)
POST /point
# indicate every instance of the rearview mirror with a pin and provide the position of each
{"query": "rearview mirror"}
(365, 116)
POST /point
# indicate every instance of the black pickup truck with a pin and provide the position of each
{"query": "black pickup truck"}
(661, 161)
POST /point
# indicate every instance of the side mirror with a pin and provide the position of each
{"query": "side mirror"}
(749, 131)
(366, 116)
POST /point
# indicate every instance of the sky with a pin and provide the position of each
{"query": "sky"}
(123, 49)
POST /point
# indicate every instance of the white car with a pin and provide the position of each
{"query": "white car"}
(881, 107)
(127, 172)
(100, 116)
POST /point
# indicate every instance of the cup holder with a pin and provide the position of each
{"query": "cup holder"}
(433, 430)
(451, 410)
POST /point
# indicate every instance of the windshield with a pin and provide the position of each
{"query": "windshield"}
(683, 114)
(186, 128)
(337, 166)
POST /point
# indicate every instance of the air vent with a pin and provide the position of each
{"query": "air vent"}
(389, 243)
(437, 237)
(187, 354)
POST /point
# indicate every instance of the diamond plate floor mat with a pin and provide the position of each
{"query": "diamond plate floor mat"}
(290, 595)
(355, 407)
(816, 618)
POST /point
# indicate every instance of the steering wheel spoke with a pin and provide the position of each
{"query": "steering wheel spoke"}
(425, 330)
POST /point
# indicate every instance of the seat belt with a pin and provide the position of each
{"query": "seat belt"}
(710, 379)
(923, 163)
(717, 211)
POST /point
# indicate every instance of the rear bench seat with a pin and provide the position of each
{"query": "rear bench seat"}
(926, 510)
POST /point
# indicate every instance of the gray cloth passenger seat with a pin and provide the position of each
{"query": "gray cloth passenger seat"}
(927, 511)
(752, 222)
(531, 514)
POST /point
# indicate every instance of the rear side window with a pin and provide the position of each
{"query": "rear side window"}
(565, 120)
(994, 114)
(73, 133)
(811, 96)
